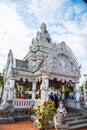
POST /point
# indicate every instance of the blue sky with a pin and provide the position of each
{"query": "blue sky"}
(66, 20)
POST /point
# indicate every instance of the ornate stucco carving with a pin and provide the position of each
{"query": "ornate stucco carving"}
(61, 60)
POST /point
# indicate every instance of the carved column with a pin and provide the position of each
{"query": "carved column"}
(11, 89)
(5, 94)
(34, 89)
(15, 94)
(77, 94)
(44, 89)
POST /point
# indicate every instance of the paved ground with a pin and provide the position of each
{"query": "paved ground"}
(25, 125)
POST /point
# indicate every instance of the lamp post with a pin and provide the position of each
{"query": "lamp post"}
(85, 96)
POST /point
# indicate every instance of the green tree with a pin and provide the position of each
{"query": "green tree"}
(81, 88)
(1, 81)
(86, 84)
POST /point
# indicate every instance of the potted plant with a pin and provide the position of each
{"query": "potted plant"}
(44, 113)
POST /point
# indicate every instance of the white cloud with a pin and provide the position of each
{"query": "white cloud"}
(57, 29)
(13, 34)
(79, 8)
(75, 28)
(69, 13)
(46, 10)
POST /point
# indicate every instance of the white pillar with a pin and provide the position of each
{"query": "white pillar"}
(5, 92)
(33, 90)
(63, 92)
(47, 87)
(11, 89)
(84, 90)
(4, 97)
(15, 93)
(77, 94)
(44, 89)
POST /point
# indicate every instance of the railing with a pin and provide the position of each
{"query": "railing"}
(23, 103)
(26, 103)
(73, 103)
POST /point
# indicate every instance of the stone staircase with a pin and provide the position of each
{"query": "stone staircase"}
(76, 118)
(8, 116)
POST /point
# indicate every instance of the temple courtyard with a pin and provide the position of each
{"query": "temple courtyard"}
(23, 125)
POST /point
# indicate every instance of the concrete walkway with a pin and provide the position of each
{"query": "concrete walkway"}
(23, 125)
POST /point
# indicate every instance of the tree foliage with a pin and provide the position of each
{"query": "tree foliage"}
(81, 88)
(86, 84)
(68, 89)
(1, 81)
(44, 113)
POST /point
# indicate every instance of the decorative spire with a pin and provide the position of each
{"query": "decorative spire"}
(10, 53)
(43, 28)
(42, 36)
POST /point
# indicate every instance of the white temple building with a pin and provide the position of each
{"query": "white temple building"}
(47, 66)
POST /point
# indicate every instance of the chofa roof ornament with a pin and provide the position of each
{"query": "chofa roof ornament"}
(63, 45)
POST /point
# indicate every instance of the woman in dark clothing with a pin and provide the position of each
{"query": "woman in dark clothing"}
(56, 100)
(52, 96)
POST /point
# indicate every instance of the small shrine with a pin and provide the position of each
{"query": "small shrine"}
(47, 66)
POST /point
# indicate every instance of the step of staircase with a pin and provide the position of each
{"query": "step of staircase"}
(68, 119)
(77, 120)
(74, 115)
(79, 126)
(8, 119)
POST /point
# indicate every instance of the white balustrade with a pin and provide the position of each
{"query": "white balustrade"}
(26, 103)
(23, 103)
(70, 102)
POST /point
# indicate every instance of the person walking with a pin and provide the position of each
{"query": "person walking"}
(56, 101)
